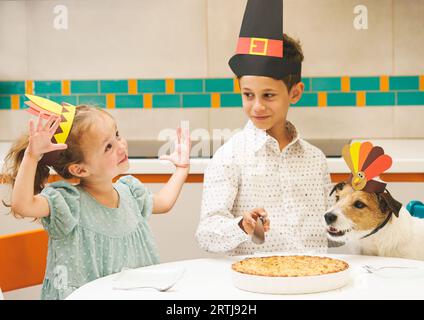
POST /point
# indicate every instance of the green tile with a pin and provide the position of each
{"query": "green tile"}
(84, 86)
(307, 83)
(219, 85)
(231, 100)
(93, 100)
(196, 101)
(307, 100)
(129, 101)
(150, 86)
(5, 103)
(166, 101)
(188, 85)
(364, 83)
(403, 83)
(68, 99)
(380, 99)
(12, 87)
(341, 99)
(23, 98)
(113, 86)
(326, 84)
(47, 87)
(410, 98)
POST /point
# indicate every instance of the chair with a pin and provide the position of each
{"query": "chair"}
(23, 258)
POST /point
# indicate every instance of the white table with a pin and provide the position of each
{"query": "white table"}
(210, 279)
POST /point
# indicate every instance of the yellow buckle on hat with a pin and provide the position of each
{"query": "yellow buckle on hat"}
(254, 45)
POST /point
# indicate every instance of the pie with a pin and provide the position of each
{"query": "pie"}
(289, 266)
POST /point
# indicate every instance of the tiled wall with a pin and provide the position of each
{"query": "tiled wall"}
(213, 93)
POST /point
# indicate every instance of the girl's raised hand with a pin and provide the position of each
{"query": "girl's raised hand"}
(40, 136)
(181, 155)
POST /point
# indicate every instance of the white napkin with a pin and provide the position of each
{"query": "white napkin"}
(160, 279)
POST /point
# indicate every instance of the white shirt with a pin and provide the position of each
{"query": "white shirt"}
(250, 171)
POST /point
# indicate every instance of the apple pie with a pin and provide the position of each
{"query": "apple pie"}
(289, 266)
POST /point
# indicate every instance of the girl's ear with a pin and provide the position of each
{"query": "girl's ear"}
(296, 92)
(78, 170)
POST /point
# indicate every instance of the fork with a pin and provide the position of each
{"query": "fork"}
(371, 269)
(145, 287)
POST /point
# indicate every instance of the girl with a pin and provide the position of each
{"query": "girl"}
(95, 227)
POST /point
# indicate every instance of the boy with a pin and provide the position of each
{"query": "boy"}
(266, 170)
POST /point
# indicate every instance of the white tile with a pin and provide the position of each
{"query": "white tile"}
(408, 26)
(343, 122)
(13, 123)
(113, 39)
(332, 46)
(409, 122)
(13, 41)
(146, 124)
(224, 22)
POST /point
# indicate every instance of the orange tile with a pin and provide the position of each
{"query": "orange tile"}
(110, 101)
(132, 86)
(322, 99)
(384, 83)
(345, 84)
(15, 101)
(421, 83)
(29, 87)
(360, 99)
(236, 85)
(147, 101)
(66, 87)
(216, 100)
(170, 86)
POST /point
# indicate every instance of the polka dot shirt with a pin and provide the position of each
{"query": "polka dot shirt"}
(251, 171)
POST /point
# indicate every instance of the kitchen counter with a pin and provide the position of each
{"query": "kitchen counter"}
(407, 154)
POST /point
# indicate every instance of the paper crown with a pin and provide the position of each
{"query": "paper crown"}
(260, 44)
(45, 107)
(365, 163)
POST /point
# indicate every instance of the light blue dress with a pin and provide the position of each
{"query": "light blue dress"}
(88, 240)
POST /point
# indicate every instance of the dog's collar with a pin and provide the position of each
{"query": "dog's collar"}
(380, 226)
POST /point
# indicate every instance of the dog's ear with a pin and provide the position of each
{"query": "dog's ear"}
(388, 203)
(338, 186)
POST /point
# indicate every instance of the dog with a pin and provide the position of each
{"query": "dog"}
(378, 223)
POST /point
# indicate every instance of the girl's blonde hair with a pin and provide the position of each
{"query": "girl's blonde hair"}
(85, 117)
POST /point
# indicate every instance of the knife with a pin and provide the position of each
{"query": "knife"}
(258, 235)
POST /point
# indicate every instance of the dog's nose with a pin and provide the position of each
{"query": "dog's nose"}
(330, 217)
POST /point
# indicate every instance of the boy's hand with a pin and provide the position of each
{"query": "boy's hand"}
(181, 155)
(248, 222)
(40, 137)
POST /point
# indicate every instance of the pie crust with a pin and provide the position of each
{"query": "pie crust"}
(289, 266)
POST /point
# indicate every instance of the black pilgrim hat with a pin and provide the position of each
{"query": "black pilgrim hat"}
(260, 44)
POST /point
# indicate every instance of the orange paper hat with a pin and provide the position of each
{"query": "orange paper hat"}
(43, 107)
(365, 163)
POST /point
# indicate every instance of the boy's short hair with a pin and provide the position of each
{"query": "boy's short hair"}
(292, 50)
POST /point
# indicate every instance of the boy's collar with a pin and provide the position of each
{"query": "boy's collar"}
(259, 137)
